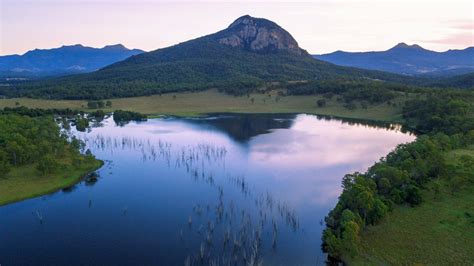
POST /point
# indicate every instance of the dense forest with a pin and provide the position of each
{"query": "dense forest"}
(301, 77)
(465, 81)
(35, 139)
(371, 92)
(445, 121)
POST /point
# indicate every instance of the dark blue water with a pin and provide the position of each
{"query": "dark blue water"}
(222, 190)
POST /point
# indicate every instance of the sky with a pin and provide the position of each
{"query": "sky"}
(319, 26)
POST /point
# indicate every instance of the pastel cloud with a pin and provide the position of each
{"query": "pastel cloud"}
(459, 33)
(458, 39)
(466, 26)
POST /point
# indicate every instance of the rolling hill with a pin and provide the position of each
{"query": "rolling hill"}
(251, 52)
(63, 60)
(407, 60)
(465, 81)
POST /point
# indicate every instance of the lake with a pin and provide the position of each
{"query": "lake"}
(224, 189)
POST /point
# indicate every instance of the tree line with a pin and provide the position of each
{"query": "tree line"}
(372, 92)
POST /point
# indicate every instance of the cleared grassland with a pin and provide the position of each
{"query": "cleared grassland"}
(438, 232)
(25, 182)
(211, 101)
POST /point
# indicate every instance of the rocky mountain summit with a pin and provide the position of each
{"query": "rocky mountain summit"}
(248, 54)
(257, 34)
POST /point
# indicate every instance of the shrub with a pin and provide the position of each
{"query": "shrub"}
(321, 102)
(95, 104)
(82, 124)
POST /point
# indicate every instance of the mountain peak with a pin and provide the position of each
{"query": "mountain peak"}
(72, 46)
(258, 34)
(245, 19)
(118, 47)
(407, 46)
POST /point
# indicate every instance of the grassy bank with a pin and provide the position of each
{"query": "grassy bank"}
(193, 104)
(438, 232)
(26, 182)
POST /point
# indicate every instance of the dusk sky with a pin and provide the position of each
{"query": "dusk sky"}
(318, 26)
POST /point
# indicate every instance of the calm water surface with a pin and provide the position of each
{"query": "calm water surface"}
(229, 188)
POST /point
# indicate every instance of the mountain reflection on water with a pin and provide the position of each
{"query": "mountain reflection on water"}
(222, 190)
(245, 126)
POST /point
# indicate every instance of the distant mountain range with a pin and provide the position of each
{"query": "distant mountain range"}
(407, 60)
(63, 60)
(251, 52)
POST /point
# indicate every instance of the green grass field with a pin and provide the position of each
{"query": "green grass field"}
(211, 101)
(439, 232)
(26, 182)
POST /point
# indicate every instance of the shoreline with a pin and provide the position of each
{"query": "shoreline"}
(68, 181)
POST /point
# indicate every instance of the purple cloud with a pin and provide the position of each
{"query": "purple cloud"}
(458, 39)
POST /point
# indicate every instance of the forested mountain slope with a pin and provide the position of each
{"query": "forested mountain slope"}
(250, 53)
